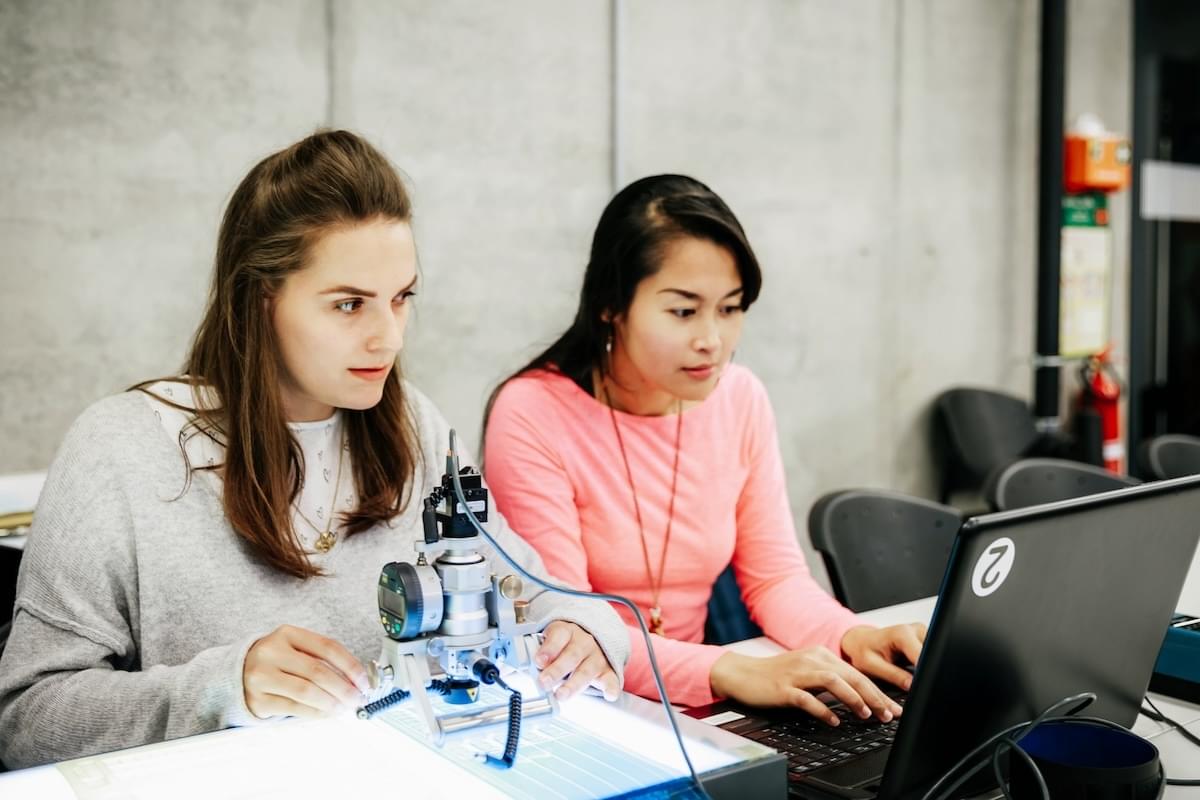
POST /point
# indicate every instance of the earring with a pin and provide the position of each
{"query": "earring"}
(608, 345)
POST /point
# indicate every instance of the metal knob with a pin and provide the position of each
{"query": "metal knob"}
(521, 610)
(511, 587)
(378, 674)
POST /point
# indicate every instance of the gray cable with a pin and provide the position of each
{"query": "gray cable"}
(460, 495)
(1009, 746)
(1080, 701)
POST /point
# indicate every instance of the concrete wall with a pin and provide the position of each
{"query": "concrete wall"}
(124, 127)
(881, 154)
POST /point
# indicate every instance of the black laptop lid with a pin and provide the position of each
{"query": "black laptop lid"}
(1039, 604)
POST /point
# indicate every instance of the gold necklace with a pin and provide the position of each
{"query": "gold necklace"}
(656, 616)
(327, 538)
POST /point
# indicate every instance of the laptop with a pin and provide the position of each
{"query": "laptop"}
(1036, 604)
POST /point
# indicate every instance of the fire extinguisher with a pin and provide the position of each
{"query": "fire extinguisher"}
(1102, 394)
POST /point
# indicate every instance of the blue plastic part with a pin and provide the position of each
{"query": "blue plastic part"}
(1180, 654)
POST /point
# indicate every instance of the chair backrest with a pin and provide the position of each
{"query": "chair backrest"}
(882, 548)
(1171, 456)
(728, 619)
(10, 567)
(1034, 481)
(985, 429)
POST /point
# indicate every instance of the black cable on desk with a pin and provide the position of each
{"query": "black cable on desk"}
(489, 673)
(1158, 716)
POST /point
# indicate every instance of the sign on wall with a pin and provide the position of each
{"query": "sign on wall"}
(1085, 275)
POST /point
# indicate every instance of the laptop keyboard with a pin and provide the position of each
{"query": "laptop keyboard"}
(811, 744)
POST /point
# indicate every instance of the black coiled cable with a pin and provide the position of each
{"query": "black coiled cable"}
(514, 734)
(460, 495)
(487, 672)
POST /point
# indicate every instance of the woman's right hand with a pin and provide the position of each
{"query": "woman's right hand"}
(795, 678)
(293, 671)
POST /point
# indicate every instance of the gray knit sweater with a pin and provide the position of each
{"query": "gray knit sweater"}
(135, 610)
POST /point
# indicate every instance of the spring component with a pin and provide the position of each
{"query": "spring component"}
(370, 709)
(489, 673)
(514, 735)
(442, 687)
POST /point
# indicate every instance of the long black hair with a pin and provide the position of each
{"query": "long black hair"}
(633, 232)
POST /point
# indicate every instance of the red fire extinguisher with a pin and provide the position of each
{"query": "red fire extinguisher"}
(1102, 393)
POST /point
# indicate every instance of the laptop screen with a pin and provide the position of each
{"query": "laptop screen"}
(1039, 604)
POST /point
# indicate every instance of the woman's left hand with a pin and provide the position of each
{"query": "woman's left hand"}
(568, 649)
(877, 651)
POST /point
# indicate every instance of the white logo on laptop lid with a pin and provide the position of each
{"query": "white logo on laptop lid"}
(993, 566)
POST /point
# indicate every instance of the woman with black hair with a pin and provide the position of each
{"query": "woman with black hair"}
(639, 460)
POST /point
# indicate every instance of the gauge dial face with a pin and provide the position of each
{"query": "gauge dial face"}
(410, 600)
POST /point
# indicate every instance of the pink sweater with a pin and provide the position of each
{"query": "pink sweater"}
(555, 471)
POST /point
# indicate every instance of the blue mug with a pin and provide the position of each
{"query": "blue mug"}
(1087, 760)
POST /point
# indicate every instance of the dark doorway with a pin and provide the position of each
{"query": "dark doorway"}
(1180, 120)
(1164, 334)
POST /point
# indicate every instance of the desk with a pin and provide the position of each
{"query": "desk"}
(347, 757)
(342, 756)
(1180, 758)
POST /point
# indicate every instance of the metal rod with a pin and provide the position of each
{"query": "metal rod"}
(458, 722)
(1050, 178)
(1143, 235)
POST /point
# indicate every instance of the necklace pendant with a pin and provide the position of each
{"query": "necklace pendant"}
(326, 541)
(656, 621)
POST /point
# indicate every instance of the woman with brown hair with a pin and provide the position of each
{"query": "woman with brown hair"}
(205, 549)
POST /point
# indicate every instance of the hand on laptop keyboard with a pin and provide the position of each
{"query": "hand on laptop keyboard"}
(795, 679)
(878, 652)
(810, 745)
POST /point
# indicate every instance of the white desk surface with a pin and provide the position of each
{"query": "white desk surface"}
(347, 757)
(343, 756)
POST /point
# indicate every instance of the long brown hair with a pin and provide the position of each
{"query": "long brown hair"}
(276, 215)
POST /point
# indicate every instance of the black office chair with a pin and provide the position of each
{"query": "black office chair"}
(881, 548)
(728, 619)
(1034, 481)
(10, 562)
(1170, 456)
(10, 566)
(980, 430)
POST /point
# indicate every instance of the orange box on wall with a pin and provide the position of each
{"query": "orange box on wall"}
(1096, 163)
